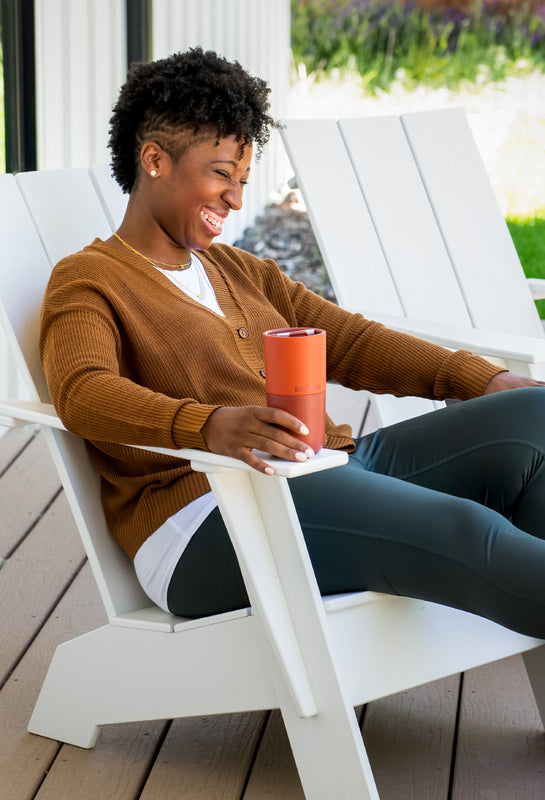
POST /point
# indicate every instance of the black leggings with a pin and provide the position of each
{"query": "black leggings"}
(449, 507)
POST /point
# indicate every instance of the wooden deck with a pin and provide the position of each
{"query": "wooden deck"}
(470, 737)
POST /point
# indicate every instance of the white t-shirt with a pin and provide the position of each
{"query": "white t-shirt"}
(158, 556)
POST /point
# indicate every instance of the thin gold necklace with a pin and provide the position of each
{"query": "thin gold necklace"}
(199, 293)
(153, 262)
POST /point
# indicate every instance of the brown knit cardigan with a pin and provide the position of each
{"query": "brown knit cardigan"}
(131, 359)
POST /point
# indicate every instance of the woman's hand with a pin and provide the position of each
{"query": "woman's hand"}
(236, 431)
(509, 380)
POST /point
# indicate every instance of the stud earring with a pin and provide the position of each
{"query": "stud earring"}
(153, 173)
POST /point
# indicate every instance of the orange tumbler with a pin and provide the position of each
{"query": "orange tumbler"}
(295, 377)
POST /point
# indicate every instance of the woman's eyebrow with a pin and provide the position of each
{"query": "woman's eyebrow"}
(234, 164)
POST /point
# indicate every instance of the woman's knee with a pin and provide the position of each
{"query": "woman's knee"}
(522, 411)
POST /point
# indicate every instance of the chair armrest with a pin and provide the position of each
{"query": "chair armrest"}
(24, 412)
(537, 287)
(29, 411)
(204, 461)
(260, 516)
(494, 344)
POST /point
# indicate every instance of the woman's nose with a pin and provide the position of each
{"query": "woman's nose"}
(233, 196)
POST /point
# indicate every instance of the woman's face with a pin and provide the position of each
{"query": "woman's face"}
(196, 193)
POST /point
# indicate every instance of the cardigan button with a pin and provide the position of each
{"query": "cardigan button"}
(262, 373)
(243, 333)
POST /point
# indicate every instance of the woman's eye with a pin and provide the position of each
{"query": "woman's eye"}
(227, 177)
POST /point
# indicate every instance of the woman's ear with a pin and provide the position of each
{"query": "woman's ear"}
(152, 159)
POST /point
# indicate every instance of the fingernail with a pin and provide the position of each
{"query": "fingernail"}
(269, 470)
(301, 456)
(309, 452)
(303, 430)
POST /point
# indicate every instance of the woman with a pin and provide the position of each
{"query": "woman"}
(154, 337)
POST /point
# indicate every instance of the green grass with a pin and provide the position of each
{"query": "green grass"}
(529, 239)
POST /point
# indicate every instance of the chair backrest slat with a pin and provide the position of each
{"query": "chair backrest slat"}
(66, 209)
(25, 272)
(52, 214)
(471, 222)
(113, 199)
(404, 220)
(342, 224)
(346, 233)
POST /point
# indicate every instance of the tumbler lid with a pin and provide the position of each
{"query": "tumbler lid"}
(295, 360)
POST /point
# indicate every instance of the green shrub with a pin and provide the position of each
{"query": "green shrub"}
(384, 40)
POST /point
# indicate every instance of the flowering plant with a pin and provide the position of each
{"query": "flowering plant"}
(384, 40)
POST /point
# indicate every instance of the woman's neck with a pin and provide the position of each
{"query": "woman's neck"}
(140, 234)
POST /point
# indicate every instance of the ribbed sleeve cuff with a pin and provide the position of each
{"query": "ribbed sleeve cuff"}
(464, 375)
(188, 423)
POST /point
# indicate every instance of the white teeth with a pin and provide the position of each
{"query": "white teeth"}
(217, 223)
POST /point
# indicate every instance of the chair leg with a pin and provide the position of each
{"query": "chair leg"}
(534, 661)
(330, 754)
(116, 674)
(65, 707)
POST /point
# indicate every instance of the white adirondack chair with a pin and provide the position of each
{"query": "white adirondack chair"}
(314, 659)
(411, 234)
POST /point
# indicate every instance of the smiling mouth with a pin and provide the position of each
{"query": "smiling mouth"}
(214, 221)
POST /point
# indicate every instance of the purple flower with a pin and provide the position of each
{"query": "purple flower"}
(539, 10)
(454, 15)
(491, 7)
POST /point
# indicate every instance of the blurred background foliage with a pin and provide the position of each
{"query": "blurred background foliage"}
(424, 43)
(385, 40)
(431, 43)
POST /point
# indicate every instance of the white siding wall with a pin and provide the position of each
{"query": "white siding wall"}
(80, 65)
(257, 34)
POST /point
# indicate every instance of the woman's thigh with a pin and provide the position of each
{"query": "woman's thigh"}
(490, 449)
(413, 527)
(370, 531)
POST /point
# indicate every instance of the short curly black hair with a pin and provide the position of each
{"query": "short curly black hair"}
(197, 90)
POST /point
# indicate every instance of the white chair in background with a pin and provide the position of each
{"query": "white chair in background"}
(412, 235)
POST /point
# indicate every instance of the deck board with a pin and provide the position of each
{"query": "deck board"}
(116, 768)
(409, 739)
(34, 578)
(25, 759)
(274, 775)
(23, 497)
(48, 595)
(205, 758)
(12, 442)
(501, 744)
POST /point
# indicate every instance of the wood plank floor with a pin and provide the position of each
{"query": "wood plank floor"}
(470, 737)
